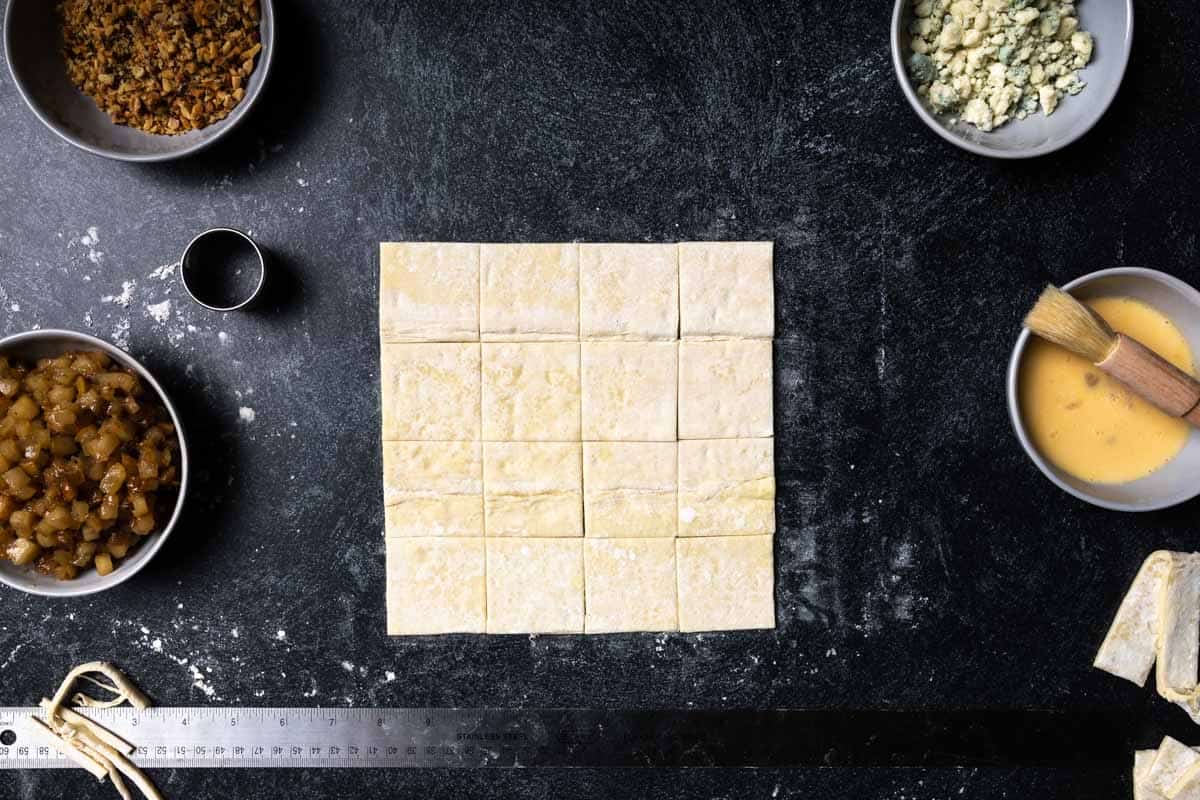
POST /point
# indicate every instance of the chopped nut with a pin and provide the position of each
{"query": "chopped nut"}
(161, 66)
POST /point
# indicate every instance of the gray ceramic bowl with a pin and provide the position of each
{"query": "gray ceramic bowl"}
(1110, 21)
(31, 45)
(46, 344)
(1174, 483)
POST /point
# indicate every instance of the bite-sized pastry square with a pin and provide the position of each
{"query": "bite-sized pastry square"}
(725, 389)
(530, 292)
(433, 488)
(435, 586)
(428, 292)
(726, 289)
(629, 291)
(630, 585)
(726, 583)
(430, 392)
(629, 391)
(534, 586)
(629, 489)
(531, 392)
(533, 489)
(726, 487)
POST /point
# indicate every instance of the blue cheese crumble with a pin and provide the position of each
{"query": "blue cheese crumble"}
(989, 61)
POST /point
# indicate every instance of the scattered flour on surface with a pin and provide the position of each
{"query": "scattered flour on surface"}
(90, 240)
(199, 682)
(120, 333)
(247, 415)
(165, 271)
(125, 297)
(160, 312)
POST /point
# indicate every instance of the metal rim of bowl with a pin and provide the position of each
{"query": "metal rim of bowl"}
(262, 269)
(1014, 405)
(234, 120)
(148, 549)
(941, 130)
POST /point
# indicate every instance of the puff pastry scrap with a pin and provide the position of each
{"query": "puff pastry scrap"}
(577, 438)
(1159, 621)
(1172, 772)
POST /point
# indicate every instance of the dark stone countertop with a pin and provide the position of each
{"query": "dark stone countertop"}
(922, 560)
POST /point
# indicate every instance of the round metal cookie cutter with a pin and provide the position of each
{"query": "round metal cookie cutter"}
(214, 261)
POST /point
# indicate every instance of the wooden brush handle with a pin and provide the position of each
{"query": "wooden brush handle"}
(1155, 379)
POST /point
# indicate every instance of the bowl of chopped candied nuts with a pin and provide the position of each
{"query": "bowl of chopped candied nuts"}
(140, 80)
(93, 464)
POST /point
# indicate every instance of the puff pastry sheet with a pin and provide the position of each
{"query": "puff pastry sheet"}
(577, 438)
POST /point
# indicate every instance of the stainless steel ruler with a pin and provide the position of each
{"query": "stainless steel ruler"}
(398, 738)
(287, 737)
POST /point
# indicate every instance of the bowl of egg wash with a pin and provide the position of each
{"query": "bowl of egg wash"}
(1088, 433)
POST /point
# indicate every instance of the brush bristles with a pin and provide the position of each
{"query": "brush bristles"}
(1068, 323)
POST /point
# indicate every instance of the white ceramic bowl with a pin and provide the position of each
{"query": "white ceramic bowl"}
(1177, 481)
(46, 344)
(1109, 21)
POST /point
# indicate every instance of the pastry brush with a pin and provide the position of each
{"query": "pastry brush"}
(1060, 318)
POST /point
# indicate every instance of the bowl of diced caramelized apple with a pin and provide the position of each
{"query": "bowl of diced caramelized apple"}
(93, 464)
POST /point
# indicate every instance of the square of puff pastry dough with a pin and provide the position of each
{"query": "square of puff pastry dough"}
(629, 391)
(726, 487)
(529, 292)
(534, 586)
(433, 488)
(630, 585)
(436, 586)
(428, 292)
(532, 489)
(725, 389)
(430, 392)
(629, 291)
(629, 489)
(726, 583)
(727, 289)
(531, 392)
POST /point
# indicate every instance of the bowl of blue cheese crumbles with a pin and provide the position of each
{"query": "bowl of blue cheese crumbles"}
(1011, 78)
